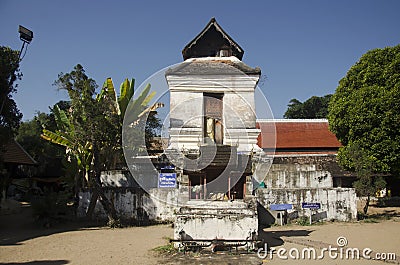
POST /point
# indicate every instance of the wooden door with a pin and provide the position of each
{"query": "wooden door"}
(213, 113)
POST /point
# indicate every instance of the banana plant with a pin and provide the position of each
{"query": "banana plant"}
(66, 135)
(137, 108)
(88, 152)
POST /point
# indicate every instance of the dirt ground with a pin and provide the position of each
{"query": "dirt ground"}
(24, 241)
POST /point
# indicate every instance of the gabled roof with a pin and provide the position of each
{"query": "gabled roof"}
(297, 136)
(14, 153)
(210, 40)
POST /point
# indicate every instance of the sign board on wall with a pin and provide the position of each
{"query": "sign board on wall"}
(311, 205)
(167, 180)
(280, 207)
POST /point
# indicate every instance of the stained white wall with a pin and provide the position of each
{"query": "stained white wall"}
(336, 203)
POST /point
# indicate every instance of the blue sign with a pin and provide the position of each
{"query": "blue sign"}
(167, 180)
(280, 207)
(311, 205)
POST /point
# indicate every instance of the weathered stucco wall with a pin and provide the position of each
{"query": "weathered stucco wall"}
(132, 204)
(301, 172)
(336, 203)
(294, 179)
(235, 220)
(298, 176)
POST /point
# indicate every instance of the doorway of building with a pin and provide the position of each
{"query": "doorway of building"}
(213, 113)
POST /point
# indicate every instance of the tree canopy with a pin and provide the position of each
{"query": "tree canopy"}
(91, 129)
(365, 111)
(48, 155)
(313, 108)
(10, 116)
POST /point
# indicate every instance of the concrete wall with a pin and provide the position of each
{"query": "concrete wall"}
(301, 172)
(294, 179)
(162, 205)
(336, 203)
(235, 220)
(292, 176)
(133, 204)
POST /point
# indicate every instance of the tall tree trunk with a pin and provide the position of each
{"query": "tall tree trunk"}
(367, 204)
(92, 204)
(105, 202)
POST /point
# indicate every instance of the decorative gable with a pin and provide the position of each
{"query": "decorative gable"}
(212, 41)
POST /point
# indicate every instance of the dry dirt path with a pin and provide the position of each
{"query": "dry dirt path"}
(23, 241)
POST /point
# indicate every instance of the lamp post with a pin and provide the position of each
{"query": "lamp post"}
(26, 36)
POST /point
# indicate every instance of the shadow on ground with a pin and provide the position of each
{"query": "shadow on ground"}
(269, 236)
(20, 225)
(39, 262)
(274, 238)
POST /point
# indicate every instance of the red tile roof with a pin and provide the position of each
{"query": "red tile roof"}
(15, 154)
(294, 136)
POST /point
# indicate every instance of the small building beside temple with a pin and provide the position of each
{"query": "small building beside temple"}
(305, 170)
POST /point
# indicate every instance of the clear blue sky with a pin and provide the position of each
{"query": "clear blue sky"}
(303, 47)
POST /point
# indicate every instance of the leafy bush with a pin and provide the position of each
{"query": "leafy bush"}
(303, 220)
(51, 204)
(166, 249)
(389, 202)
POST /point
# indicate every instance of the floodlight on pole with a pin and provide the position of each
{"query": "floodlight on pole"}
(26, 36)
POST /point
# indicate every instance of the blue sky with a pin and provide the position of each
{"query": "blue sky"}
(302, 47)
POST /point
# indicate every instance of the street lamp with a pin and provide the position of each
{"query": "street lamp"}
(26, 36)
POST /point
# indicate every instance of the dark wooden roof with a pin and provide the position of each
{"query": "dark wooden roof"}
(297, 136)
(209, 41)
(14, 153)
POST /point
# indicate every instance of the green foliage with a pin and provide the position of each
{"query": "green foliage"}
(51, 204)
(45, 153)
(10, 116)
(389, 202)
(368, 185)
(364, 112)
(303, 220)
(126, 93)
(114, 223)
(313, 108)
(93, 123)
(166, 249)
(91, 129)
(371, 220)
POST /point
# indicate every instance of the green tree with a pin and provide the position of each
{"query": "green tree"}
(367, 182)
(44, 152)
(10, 116)
(87, 127)
(365, 109)
(92, 128)
(313, 108)
(364, 114)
